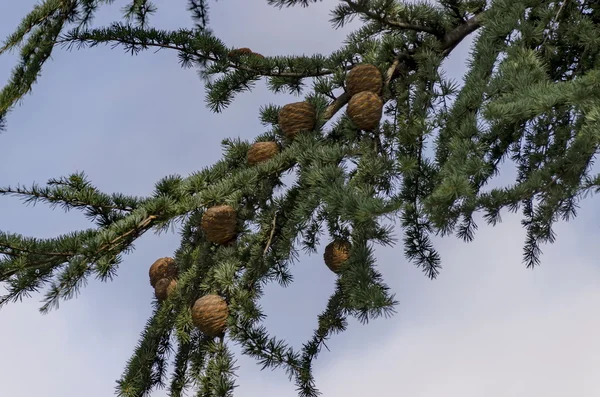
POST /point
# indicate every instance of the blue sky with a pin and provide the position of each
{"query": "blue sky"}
(486, 327)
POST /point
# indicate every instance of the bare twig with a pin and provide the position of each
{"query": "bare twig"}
(273, 223)
(560, 10)
(555, 19)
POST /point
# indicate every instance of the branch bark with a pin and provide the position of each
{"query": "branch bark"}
(454, 37)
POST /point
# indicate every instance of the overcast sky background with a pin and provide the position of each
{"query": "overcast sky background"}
(486, 327)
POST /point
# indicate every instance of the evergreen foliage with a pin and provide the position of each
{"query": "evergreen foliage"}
(531, 96)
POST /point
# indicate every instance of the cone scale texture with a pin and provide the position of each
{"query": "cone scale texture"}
(209, 314)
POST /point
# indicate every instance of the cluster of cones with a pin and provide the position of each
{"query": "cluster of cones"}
(238, 53)
(210, 312)
(364, 85)
(219, 224)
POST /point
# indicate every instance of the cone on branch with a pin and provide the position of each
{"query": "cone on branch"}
(336, 254)
(410, 64)
(164, 288)
(209, 315)
(297, 117)
(365, 110)
(219, 224)
(238, 52)
(244, 51)
(162, 268)
(262, 151)
(364, 77)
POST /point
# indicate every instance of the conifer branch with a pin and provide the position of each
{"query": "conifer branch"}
(112, 247)
(36, 193)
(95, 245)
(384, 20)
(448, 43)
(38, 17)
(542, 117)
(458, 34)
(76, 192)
(137, 39)
(454, 37)
(335, 106)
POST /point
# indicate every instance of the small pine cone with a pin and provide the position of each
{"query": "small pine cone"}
(209, 314)
(238, 52)
(262, 151)
(219, 224)
(162, 268)
(365, 110)
(364, 77)
(297, 117)
(336, 254)
(164, 288)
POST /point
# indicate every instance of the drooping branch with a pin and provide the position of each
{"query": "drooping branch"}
(76, 192)
(448, 43)
(113, 247)
(349, 202)
(184, 41)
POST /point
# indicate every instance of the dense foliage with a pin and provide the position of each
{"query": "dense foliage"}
(531, 96)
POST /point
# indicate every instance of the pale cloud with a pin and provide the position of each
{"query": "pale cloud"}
(486, 327)
(527, 350)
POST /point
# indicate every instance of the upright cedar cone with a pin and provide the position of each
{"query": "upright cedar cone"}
(163, 288)
(365, 110)
(219, 224)
(262, 151)
(297, 117)
(162, 268)
(364, 77)
(209, 314)
(336, 254)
